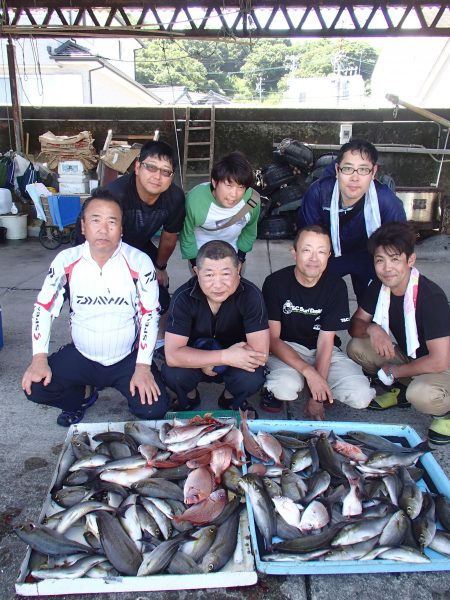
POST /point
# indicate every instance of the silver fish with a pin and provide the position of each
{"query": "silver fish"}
(46, 541)
(158, 559)
(301, 460)
(261, 505)
(443, 511)
(182, 564)
(317, 485)
(75, 513)
(223, 545)
(385, 459)
(118, 546)
(424, 526)
(202, 542)
(411, 497)
(157, 487)
(395, 529)
(441, 542)
(352, 551)
(74, 571)
(360, 531)
(405, 554)
(89, 462)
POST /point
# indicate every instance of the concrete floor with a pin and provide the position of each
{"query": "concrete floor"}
(31, 440)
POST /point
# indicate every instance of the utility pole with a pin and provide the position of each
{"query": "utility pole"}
(15, 101)
(260, 88)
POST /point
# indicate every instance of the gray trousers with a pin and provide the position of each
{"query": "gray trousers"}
(345, 378)
(428, 393)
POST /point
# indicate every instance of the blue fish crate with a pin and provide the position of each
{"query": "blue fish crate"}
(434, 481)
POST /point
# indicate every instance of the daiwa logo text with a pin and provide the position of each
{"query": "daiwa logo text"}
(87, 300)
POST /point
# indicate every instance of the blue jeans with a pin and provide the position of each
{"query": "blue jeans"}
(71, 372)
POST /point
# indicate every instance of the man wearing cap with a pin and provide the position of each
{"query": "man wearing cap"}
(351, 204)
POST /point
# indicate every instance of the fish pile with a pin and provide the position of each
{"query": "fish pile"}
(142, 502)
(320, 497)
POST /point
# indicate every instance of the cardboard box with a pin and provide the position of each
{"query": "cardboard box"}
(239, 571)
(436, 482)
(71, 167)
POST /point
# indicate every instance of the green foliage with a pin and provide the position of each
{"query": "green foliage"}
(247, 71)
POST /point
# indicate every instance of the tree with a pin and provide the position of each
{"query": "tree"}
(265, 65)
(164, 62)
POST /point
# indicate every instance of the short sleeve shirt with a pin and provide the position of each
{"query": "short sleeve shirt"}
(432, 313)
(141, 221)
(242, 313)
(302, 311)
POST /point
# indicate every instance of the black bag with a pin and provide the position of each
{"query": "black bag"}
(31, 175)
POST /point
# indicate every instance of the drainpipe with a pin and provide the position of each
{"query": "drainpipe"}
(15, 100)
(90, 80)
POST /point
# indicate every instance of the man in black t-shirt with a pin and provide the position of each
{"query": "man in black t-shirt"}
(151, 201)
(216, 331)
(416, 311)
(306, 305)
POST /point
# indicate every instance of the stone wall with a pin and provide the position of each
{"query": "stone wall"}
(254, 131)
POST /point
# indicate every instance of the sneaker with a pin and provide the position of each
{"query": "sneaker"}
(269, 403)
(89, 401)
(228, 404)
(396, 397)
(439, 431)
(225, 403)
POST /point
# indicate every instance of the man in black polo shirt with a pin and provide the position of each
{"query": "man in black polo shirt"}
(306, 305)
(216, 331)
(151, 201)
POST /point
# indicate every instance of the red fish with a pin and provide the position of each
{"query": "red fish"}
(206, 511)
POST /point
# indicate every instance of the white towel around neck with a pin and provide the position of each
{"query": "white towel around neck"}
(371, 215)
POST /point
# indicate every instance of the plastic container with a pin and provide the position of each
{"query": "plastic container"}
(70, 167)
(74, 187)
(16, 226)
(435, 480)
(1, 329)
(5, 201)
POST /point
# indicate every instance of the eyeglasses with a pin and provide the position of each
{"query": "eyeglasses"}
(359, 170)
(154, 169)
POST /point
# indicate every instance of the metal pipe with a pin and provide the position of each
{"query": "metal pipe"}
(420, 111)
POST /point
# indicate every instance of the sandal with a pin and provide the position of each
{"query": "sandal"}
(67, 418)
(395, 398)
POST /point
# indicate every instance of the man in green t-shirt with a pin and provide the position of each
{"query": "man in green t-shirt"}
(210, 208)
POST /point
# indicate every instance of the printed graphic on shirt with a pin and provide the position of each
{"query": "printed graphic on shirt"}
(289, 307)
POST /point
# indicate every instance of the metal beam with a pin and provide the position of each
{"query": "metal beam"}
(212, 19)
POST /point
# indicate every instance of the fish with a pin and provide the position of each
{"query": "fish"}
(443, 511)
(119, 548)
(271, 487)
(223, 546)
(441, 542)
(158, 559)
(315, 516)
(127, 477)
(183, 564)
(75, 513)
(301, 460)
(250, 442)
(360, 531)
(350, 451)
(271, 446)
(405, 554)
(117, 436)
(395, 530)
(163, 522)
(352, 551)
(230, 479)
(292, 485)
(89, 462)
(47, 541)
(424, 525)
(379, 443)
(200, 542)
(198, 485)
(317, 485)
(386, 459)
(73, 571)
(69, 496)
(143, 434)
(288, 441)
(411, 497)
(158, 487)
(220, 461)
(66, 460)
(329, 459)
(205, 511)
(214, 435)
(308, 543)
(263, 511)
(288, 510)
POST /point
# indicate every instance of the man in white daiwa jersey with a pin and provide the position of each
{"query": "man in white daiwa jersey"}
(114, 312)
(216, 210)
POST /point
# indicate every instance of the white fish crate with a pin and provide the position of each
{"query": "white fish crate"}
(434, 480)
(239, 571)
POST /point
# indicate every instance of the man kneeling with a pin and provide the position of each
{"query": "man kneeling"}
(216, 331)
(113, 295)
(306, 306)
(416, 311)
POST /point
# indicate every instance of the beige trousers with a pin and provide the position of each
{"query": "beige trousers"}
(345, 378)
(428, 393)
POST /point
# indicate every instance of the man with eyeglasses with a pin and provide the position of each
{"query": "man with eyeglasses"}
(150, 201)
(351, 204)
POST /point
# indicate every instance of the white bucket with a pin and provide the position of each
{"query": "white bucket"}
(16, 226)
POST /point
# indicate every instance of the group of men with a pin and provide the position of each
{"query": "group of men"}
(219, 326)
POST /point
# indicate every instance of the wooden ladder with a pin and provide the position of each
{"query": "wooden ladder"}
(198, 152)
